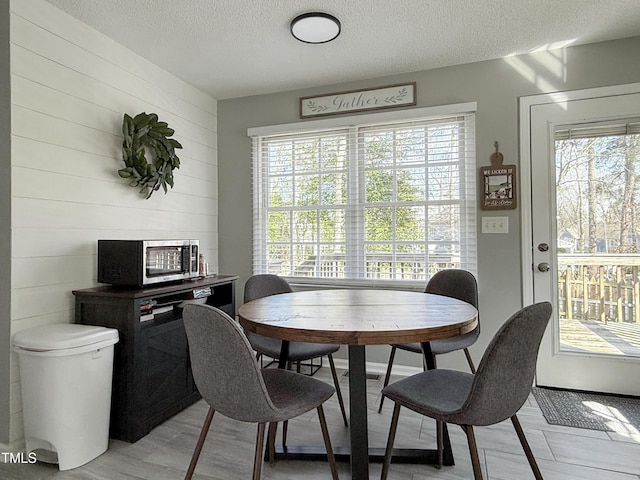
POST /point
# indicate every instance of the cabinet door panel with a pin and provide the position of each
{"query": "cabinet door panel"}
(167, 366)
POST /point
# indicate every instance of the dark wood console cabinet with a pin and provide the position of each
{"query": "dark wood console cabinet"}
(152, 378)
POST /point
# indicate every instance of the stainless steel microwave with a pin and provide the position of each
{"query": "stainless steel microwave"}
(147, 262)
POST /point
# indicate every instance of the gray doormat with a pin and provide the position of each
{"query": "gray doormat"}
(594, 411)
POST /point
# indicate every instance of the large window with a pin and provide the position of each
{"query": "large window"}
(391, 200)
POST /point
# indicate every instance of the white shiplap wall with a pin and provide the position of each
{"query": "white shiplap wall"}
(70, 86)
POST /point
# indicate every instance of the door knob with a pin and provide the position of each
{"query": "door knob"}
(543, 267)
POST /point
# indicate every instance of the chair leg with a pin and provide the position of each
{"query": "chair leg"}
(526, 448)
(257, 459)
(271, 441)
(470, 360)
(387, 375)
(440, 442)
(390, 440)
(285, 425)
(327, 444)
(200, 444)
(473, 451)
(338, 392)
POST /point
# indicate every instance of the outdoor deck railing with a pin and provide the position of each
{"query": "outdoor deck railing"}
(402, 266)
(603, 287)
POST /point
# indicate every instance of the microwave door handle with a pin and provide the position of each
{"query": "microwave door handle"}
(186, 259)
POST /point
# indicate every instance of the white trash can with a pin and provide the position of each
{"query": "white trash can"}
(65, 373)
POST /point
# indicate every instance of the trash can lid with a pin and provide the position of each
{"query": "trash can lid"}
(60, 336)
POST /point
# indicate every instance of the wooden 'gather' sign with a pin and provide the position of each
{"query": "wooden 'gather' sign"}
(403, 94)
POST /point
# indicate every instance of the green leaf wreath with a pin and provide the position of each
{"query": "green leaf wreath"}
(144, 130)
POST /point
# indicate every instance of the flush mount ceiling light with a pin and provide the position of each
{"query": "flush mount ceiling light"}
(315, 27)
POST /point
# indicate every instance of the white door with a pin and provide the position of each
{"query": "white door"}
(581, 167)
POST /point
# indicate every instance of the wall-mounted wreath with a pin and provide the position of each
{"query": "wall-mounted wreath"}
(143, 132)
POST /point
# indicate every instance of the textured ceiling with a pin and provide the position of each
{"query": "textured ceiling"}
(236, 48)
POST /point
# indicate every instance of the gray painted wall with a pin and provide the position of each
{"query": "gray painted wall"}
(5, 218)
(495, 86)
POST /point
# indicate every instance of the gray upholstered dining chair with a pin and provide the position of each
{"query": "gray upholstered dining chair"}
(246, 392)
(455, 283)
(494, 393)
(264, 285)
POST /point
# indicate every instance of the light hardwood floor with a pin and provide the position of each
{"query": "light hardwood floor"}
(563, 453)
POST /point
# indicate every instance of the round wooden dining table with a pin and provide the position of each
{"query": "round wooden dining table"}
(360, 317)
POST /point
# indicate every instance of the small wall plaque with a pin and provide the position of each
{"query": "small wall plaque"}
(399, 95)
(498, 184)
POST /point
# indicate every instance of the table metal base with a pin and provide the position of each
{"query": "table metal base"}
(376, 455)
(359, 454)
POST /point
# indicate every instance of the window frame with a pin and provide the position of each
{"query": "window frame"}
(468, 180)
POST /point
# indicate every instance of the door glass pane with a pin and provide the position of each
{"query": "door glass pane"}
(598, 242)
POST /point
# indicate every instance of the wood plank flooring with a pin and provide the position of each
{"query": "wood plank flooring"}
(563, 453)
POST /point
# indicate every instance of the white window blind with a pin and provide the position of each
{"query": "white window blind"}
(373, 203)
(628, 126)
